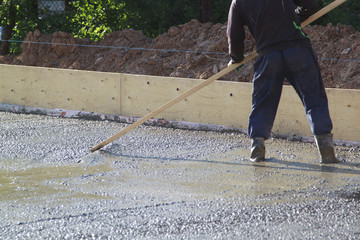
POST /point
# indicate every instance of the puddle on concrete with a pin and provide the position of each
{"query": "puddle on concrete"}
(231, 175)
(35, 182)
(226, 174)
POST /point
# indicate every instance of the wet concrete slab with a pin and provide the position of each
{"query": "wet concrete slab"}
(156, 183)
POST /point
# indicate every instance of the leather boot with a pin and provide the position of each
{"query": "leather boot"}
(257, 149)
(326, 148)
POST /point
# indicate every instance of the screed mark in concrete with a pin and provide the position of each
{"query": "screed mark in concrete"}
(158, 183)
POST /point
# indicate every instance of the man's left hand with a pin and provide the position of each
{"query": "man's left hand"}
(232, 62)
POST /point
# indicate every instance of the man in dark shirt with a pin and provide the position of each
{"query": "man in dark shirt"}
(284, 51)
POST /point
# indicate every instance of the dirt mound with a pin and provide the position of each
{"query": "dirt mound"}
(184, 51)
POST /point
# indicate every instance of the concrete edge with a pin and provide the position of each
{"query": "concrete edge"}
(183, 125)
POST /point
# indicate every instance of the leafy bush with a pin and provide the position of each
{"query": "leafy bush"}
(94, 19)
(348, 14)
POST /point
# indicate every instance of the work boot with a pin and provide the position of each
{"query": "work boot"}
(326, 148)
(257, 149)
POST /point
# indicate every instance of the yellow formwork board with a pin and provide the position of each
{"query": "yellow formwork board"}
(229, 104)
(222, 103)
(60, 88)
(344, 107)
(345, 112)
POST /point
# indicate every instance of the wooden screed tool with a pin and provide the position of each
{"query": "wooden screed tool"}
(218, 75)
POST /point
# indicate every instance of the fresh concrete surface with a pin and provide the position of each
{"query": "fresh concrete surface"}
(160, 183)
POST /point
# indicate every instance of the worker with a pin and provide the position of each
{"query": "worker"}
(284, 51)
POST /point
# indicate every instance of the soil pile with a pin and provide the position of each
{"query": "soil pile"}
(192, 47)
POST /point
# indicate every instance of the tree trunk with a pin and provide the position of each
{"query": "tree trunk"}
(204, 11)
(9, 28)
(34, 10)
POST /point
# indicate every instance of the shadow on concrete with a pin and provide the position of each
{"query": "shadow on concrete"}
(335, 168)
(270, 163)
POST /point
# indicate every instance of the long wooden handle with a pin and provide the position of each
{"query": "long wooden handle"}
(322, 12)
(174, 101)
(203, 84)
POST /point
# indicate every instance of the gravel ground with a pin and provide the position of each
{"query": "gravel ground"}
(158, 183)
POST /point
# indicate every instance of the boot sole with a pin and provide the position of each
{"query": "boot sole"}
(257, 160)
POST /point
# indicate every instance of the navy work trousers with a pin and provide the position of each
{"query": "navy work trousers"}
(299, 66)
